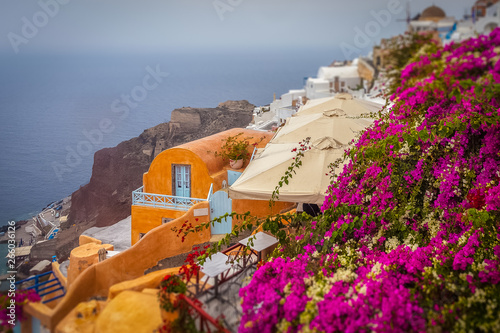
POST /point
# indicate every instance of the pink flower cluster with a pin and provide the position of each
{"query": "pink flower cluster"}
(262, 306)
(20, 298)
(411, 228)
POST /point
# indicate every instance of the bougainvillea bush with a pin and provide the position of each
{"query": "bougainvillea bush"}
(11, 307)
(409, 239)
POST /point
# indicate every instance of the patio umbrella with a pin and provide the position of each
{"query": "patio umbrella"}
(308, 185)
(343, 103)
(326, 124)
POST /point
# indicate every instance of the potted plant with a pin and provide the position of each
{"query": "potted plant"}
(235, 149)
(170, 287)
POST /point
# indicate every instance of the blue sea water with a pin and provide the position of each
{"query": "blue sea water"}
(48, 101)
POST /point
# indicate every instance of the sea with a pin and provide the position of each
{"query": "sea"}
(56, 110)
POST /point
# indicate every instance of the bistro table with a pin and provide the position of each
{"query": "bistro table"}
(261, 241)
(213, 267)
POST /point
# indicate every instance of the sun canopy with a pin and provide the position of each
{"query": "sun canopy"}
(343, 103)
(331, 124)
(315, 126)
(308, 185)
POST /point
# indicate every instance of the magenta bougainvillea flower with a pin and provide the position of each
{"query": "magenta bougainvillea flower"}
(409, 239)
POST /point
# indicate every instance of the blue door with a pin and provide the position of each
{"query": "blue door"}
(182, 181)
(221, 204)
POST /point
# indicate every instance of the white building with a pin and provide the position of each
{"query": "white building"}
(434, 19)
(333, 79)
(265, 117)
(490, 21)
(287, 105)
(453, 31)
(330, 80)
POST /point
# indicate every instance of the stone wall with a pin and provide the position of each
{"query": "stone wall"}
(366, 70)
(187, 119)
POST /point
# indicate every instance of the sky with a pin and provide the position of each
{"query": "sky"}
(143, 26)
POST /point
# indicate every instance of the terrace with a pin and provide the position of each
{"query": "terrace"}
(141, 198)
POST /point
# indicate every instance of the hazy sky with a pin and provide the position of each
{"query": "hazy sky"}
(208, 25)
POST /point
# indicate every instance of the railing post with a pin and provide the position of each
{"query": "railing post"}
(253, 153)
(210, 191)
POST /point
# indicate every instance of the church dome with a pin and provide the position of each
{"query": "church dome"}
(432, 12)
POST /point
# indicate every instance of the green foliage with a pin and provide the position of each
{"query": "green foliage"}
(235, 147)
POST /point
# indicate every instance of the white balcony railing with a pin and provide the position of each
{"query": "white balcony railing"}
(140, 198)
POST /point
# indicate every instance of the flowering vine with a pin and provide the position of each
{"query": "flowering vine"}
(409, 239)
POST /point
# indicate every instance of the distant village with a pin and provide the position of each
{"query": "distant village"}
(364, 77)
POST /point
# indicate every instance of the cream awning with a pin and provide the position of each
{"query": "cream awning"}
(343, 103)
(308, 184)
(332, 124)
(315, 126)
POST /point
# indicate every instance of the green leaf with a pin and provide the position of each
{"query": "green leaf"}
(423, 135)
(475, 124)
(485, 216)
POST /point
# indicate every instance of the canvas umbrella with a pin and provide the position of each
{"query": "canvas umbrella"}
(343, 103)
(326, 124)
(308, 185)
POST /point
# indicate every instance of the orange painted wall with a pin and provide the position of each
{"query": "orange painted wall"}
(258, 208)
(159, 243)
(40, 311)
(206, 168)
(83, 257)
(213, 143)
(145, 219)
(158, 179)
(84, 239)
(57, 272)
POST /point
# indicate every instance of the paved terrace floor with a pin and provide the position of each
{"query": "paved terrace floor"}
(118, 234)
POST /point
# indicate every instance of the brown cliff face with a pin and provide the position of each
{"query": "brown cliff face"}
(117, 171)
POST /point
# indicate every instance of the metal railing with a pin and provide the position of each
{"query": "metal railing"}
(141, 198)
(203, 321)
(239, 257)
(45, 288)
(253, 153)
(210, 192)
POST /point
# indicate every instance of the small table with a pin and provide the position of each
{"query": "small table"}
(214, 266)
(261, 241)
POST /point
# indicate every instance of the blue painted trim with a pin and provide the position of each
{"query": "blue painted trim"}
(49, 284)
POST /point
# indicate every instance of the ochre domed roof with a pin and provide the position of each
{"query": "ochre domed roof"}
(432, 11)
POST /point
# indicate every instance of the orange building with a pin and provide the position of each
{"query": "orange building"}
(183, 176)
(186, 183)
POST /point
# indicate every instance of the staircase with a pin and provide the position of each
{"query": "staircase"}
(45, 289)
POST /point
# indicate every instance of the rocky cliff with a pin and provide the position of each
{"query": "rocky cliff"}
(117, 171)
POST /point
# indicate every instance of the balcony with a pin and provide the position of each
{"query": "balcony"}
(141, 198)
